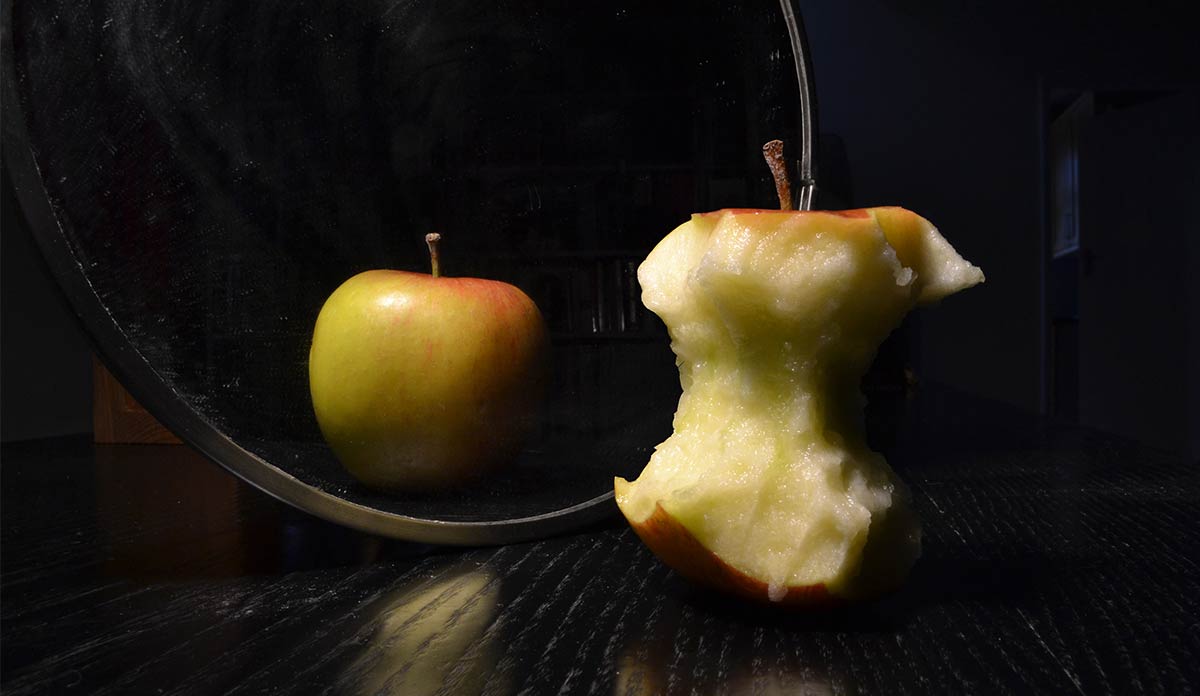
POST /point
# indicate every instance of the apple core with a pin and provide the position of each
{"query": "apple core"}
(774, 317)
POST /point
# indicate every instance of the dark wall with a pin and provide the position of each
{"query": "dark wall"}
(1139, 166)
(45, 361)
(939, 104)
(939, 126)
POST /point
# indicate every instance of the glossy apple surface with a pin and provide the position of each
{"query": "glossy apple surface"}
(421, 382)
(767, 488)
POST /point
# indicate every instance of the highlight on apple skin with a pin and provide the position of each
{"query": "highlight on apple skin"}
(422, 382)
(767, 489)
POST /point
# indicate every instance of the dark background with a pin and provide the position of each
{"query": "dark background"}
(945, 108)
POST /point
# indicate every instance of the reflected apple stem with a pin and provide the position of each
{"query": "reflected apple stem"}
(773, 153)
(431, 240)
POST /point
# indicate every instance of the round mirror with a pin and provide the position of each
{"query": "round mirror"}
(201, 177)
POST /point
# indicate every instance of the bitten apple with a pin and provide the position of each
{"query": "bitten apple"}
(767, 488)
(422, 381)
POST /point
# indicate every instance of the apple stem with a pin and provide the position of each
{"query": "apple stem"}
(431, 240)
(773, 153)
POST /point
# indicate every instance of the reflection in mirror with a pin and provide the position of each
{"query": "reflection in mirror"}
(432, 638)
(218, 169)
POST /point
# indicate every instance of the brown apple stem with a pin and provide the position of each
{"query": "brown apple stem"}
(773, 153)
(431, 240)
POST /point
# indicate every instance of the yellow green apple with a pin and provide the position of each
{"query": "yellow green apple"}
(421, 381)
(766, 488)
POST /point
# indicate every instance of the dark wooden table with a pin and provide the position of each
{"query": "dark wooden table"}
(1056, 560)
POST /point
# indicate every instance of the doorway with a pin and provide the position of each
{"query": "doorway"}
(1123, 184)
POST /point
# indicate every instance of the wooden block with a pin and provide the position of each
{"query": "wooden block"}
(117, 418)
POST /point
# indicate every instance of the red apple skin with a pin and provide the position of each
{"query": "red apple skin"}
(421, 383)
(854, 213)
(902, 227)
(679, 549)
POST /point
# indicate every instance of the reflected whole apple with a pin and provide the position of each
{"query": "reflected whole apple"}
(767, 489)
(421, 381)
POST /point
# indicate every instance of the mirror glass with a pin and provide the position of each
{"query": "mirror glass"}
(218, 168)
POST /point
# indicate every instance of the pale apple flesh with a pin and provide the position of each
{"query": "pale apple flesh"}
(774, 317)
(420, 382)
(678, 548)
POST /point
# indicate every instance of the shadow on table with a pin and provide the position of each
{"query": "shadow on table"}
(933, 582)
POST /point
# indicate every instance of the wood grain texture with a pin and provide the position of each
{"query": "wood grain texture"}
(117, 418)
(1056, 561)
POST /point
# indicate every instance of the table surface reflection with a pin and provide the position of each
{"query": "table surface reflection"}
(1057, 560)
